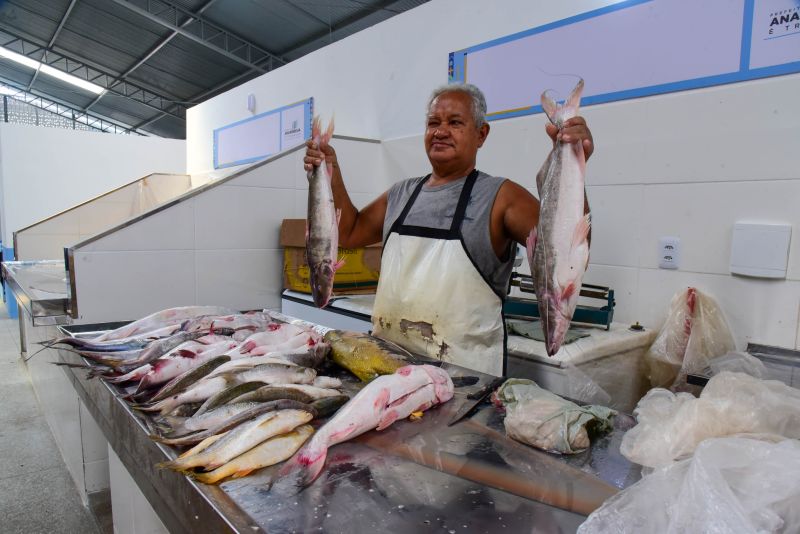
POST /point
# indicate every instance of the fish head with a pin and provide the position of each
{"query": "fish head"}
(442, 383)
(322, 275)
(555, 315)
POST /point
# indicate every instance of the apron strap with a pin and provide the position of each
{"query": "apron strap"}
(454, 232)
(463, 202)
(402, 217)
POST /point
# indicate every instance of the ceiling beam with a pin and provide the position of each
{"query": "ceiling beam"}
(200, 96)
(80, 69)
(53, 39)
(356, 17)
(205, 33)
(161, 44)
(166, 40)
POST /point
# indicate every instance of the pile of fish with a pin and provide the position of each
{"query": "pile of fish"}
(239, 388)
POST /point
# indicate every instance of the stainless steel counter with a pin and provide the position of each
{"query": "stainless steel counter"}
(42, 288)
(413, 476)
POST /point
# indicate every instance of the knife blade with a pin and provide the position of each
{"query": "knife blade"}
(475, 398)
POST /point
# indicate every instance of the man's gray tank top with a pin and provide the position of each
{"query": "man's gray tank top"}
(435, 207)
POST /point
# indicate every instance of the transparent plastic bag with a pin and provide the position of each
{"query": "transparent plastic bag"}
(744, 484)
(695, 332)
(670, 426)
(738, 362)
(544, 420)
(586, 389)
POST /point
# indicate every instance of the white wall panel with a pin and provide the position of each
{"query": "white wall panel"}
(171, 229)
(403, 158)
(625, 282)
(241, 279)
(281, 172)
(703, 215)
(231, 217)
(361, 165)
(616, 229)
(117, 286)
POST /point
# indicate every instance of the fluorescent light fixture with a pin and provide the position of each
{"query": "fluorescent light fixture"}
(47, 69)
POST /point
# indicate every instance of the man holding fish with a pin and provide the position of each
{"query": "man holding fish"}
(449, 237)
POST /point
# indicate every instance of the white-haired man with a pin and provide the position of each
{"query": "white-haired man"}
(448, 236)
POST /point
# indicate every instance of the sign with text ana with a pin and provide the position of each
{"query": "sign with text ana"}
(263, 135)
(634, 48)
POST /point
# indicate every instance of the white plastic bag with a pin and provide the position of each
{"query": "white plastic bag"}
(544, 420)
(670, 426)
(695, 332)
(738, 362)
(731, 485)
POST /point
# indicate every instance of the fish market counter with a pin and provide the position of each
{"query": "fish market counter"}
(602, 367)
(414, 476)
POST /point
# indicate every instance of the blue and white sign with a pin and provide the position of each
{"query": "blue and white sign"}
(634, 48)
(775, 34)
(263, 135)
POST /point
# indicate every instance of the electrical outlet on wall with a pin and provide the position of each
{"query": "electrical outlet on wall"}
(669, 252)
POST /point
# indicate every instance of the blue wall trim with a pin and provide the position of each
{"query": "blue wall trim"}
(747, 34)
(456, 71)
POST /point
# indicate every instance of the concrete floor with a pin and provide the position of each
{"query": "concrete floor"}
(36, 491)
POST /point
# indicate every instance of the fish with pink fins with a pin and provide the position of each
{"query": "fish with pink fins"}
(558, 247)
(322, 226)
(380, 403)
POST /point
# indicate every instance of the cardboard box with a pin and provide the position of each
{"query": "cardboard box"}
(358, 275)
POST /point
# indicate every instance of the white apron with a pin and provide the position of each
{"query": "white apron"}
(431, 298)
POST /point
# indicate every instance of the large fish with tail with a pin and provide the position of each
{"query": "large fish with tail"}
(270, 452)
(366, 356)
(322, 230)
(162, 318)
(379, 404)
(558, 247)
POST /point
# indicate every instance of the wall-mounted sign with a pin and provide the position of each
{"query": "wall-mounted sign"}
(263, 135)
(634, 48)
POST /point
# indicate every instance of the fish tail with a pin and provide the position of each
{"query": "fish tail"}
(175, 465)
(207, 478)
(307, 465)
(242, 473)
(154, 407)
(326, 137)
(574, 100)
(316, 129)
(558, 113)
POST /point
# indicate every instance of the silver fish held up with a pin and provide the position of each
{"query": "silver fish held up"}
(558, 247)
(322, 230)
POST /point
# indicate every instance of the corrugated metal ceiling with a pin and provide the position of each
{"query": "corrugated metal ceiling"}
(158, 57)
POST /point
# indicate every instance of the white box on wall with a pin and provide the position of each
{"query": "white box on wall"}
(760, 250)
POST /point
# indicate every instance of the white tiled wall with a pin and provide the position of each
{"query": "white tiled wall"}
(132, 514)
(220, 246)
(80, 441)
